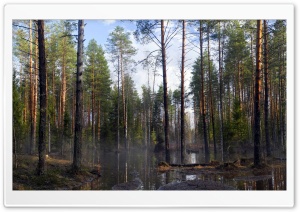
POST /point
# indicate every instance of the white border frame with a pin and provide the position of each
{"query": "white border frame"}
(147, 198)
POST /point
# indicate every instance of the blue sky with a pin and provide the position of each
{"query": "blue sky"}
(100, 29)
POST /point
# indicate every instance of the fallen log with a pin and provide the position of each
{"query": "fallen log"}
(188, 165)
(227, 166)
(165, 164)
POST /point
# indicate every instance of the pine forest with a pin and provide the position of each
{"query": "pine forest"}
(149, 104)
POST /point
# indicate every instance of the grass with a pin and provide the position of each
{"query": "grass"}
(58, 175)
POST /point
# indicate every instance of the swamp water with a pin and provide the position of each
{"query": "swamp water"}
(124, 167)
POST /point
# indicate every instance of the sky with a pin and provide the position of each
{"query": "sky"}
(100, 29)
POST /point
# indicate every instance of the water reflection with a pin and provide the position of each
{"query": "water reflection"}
(192, 158)
(190, 177)
(123, 167)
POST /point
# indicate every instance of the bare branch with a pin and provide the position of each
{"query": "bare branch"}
(67, 35)
(24, 27)
(149, 55)
(25, 52)
(29, 41)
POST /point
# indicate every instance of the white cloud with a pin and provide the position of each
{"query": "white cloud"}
(140, 76)
(108, 22)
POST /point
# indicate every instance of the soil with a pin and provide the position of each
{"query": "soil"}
(58, 175)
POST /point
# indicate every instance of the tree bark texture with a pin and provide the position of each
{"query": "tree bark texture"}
(118, 107)
(203, 97)
(210, 93)
(123, 102)
(31, 97)
(182, 94)
(79, 110)
(43, 99)
(221, 94)
(266, 74)
(257, 92)
(165, 87)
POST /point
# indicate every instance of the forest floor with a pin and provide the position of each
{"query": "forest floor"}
(58, 175)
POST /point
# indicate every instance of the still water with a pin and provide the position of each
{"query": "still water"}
(123, 167)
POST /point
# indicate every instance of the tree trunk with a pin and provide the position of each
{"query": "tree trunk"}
(93, 110)
(173, 119)
(54, 99)
(283, 96)
(280, 104)
(149, 120)
(211, 95)
(126, 121)
(99, 123)
(63, 92)
(272, 120)
(221, 94)
(195, 121)
(257, 135)
(144, 120)
(89, 111)
(73, 108)
(202, 97)
(118, 124)
(123, 102)
(182, 94)
(252, 86)
(63, 87)
(239, 87)
(35, 99)
(276, 118)
(25, 95)
(149, 111)
(78, 119)
(165, 87)
(31, 97)
(268, 146)
(43, 99)
(178, 135)
(15, 156)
